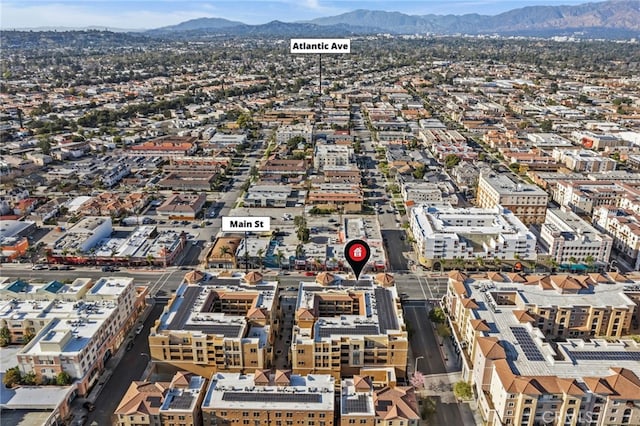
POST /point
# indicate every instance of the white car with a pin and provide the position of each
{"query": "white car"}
(139, 329)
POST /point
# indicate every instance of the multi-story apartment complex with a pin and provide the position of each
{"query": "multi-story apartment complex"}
(347, 197)
(388, 406)
(584, 196)
(346, 326)
(567, 238)
(163, 403)
(447, 233)
(624, 227)
(332, 155)
(286, 132)
(504, 325)
(183, 400)
(526, 201)
(263, 397)
(222, 324)
(583, 160)
(75, 335)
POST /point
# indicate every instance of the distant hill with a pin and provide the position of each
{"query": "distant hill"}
(197, 24)
(609, 19)
(614, 14)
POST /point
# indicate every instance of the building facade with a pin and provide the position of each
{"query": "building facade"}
(526, 201)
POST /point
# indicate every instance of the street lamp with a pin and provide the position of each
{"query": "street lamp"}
(415, 365)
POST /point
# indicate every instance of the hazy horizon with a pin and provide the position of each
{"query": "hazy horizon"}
(141, 15)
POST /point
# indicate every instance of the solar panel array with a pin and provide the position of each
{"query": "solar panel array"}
(358, 330)
(303, 398)
(387, 318)
(604, 355)
(356, 405)
(181, 402)
(528, 346)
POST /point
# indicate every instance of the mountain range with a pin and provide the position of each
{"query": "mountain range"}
(608, 19)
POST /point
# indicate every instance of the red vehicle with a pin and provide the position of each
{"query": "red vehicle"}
(310, 273)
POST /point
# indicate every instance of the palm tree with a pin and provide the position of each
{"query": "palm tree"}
(480, 262)
(589, 260)
(224, 250)
(280, 256)
(260, 254)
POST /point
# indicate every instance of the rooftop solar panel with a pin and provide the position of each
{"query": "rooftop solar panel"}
(359, 330)
(306, 398)
(181, 402)
(387, 318)
(357, 405)
(605, 355)
(528, 346)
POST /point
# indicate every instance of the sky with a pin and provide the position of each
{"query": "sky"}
(131, 14)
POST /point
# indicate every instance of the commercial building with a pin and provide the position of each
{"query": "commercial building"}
(166, 146)
(182, 206)
(344, 326)
(526, 201)
(503, 326)
(447, 233)
(267, 196)
(218, 324)
(286, 132)
(183, 400)
(74, 336)
(273, 398)
(82, 236)
(569, 238)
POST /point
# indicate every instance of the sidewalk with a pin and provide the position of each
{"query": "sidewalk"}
(77, 410)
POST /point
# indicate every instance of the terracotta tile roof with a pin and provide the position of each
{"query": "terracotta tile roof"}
(459, 288)
(495, 276)
(396, 403)
(141, 398)
(470, 303)
(565, 282)
(282, 377)
(480, 325)
(457, 275)
(515, 277)
(362, 383)
(491, 348)
(261, 377)
(305, 314)
(256, 313)
(523, 316)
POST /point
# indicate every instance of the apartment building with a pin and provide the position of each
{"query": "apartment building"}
(77, 336)
(183, 400)
(286, 132)
(220, 324)
(527, 202)
(503, 325)
(345, 326)
(567, 238)
(390, 405)
(274, 398)
(140, 405)
(583, 160)
(337, 196)
(584, 196)
(447, 233)
(623, 225)
(332, 155)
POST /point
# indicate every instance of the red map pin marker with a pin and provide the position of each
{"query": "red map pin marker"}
(357, 253)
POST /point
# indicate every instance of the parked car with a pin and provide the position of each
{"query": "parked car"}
(139, 329)
(89, 405)
(39, 267)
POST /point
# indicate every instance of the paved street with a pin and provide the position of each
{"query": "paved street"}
(129, 369)
(423, 340)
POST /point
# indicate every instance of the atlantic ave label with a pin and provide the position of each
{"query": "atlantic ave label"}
(320, 45)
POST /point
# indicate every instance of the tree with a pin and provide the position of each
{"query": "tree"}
(5, 336)
(589, 260)
(63, 379)
(279, 257)
(224, 251)
(29, 379)
(437, 315)
(546, 125)
(45, 145)
(260, 254)
(417, 380)
(12, 377)
(462, 390)
(451, 160)
(443, 330)
(150, 259)
(28, 336)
